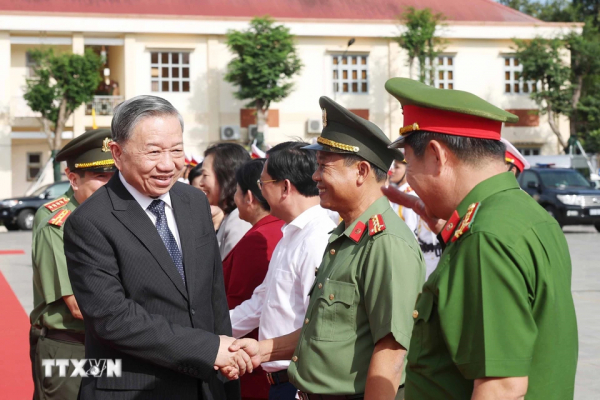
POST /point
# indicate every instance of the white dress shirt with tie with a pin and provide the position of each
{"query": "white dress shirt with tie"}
(278, 305)
(145, 200)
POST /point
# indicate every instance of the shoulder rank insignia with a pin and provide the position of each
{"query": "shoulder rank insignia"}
(466, 222)
(408, 189)
(60, 218)
(57, 203)
(376, 224)
(358, 231)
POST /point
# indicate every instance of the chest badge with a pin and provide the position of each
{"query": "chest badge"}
(466, 222)
(376, 225)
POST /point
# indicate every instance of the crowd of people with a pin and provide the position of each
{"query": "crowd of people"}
(340, 269)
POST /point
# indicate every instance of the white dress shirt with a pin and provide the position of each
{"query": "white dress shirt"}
(144, 201)
(278, 305)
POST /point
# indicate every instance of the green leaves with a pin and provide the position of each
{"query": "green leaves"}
(265, 60)
(420, 40)
(57, 77)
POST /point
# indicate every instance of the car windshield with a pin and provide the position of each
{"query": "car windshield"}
(563, 179)
(40, 191)
(57, 189)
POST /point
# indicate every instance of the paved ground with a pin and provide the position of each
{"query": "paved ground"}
(584, 243)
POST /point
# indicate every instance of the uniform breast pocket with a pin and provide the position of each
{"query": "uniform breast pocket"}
(335, 311)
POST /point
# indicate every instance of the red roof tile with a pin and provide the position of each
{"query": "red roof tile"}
(454, 10)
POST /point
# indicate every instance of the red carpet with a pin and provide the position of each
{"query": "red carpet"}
(11, 252)
(15, 368)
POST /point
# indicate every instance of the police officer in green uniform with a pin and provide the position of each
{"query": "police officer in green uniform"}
(56, 314)
(496, 319)
(359, 318)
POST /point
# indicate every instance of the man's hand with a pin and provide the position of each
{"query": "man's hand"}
(248, 348)
(417, 205)
(73, 306)
(232, 364)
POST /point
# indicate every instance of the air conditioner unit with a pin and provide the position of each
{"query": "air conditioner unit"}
(252, 132)
(230, 132)
(314, 126)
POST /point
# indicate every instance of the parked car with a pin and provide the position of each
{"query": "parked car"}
(565, 194)
(18, 213)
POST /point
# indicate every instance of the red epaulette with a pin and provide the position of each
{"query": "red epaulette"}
(57, 203)
(466, 222)
(60, 218)
(358, 231)
(376, 225)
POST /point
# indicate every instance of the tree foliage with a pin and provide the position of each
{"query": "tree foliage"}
(60, 84)
(264, 63)
(577, 95)
(420, 40)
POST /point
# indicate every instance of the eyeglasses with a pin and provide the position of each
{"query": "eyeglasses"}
(261, 183)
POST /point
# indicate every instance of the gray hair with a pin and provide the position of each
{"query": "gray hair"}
(127, 114)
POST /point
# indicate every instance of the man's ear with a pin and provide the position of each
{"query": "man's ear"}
(72, 177)
(363, 168)
(117, 153)
(439, 156)
(287, 188)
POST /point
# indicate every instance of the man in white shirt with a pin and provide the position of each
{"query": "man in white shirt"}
(430, 246)
(277, 307)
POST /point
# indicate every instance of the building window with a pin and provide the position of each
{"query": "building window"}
(34, 165)
(529, 151)
(30, 64)
(170, 71)
(513, 82)
(444, 74)
(350, 74)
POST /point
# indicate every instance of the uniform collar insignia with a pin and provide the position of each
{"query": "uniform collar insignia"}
(56, 204)
(358, 231)
(60, 218)
(450, 226)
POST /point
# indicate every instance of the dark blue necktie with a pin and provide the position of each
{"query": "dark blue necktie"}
(157, 207)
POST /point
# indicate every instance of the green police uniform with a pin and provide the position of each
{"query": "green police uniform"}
(499, 303)
(368, 281)
(61, 334)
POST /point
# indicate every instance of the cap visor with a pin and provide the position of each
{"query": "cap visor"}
(398, 143)
(320, 147)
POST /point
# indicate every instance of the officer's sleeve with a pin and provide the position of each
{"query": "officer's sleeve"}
(485, 311)
(393, 276)
(49, 256)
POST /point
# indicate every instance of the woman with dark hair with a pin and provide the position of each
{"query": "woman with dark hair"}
(218, 183)
(194, 176)
(245, 267)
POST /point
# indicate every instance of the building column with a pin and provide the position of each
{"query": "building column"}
(5, 128)
(128, 87)
(79, 114)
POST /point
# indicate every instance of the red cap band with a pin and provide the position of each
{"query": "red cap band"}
(510, 157)
(452, 123)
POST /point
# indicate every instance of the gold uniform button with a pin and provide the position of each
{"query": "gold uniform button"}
(332, 252)
(320, 286)
(415, 314)
(294, 359)
(331, 297)
(306, 321)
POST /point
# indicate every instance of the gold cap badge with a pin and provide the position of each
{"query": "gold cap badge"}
(106, 145)
(324, 118)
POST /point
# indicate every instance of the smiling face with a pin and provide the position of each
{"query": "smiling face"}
(152, 158)
(336, 182)
(208, 182)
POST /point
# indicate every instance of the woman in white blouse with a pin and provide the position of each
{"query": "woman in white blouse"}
(217, 181)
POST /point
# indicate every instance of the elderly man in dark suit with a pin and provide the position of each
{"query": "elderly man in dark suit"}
(145, 268)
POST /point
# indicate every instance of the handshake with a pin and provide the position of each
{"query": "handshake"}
(237, 357)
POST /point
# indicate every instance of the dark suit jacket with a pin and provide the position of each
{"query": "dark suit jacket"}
(134, 303)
